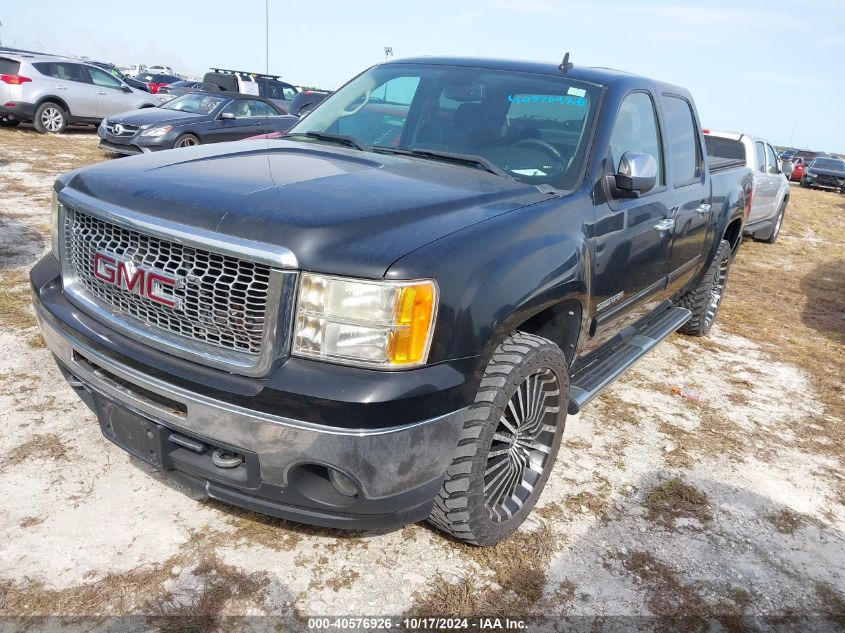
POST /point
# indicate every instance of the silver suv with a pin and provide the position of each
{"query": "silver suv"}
(53, 92)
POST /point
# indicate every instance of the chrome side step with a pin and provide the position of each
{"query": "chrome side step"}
(589, 381)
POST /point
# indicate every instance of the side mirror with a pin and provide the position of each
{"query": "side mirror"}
(636, 175)
(126, 89)
(787, 168)
(228, 116)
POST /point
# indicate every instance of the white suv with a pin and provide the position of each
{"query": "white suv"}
(53, 92)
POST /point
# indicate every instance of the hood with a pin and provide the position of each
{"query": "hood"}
(157, 116)
(838, 173)
(340, 211)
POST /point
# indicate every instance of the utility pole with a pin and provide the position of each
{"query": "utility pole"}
(267, 36)
(388, 52)
(1, 39)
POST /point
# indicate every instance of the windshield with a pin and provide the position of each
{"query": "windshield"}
(532, 127)
(829, 163)
(195, 103)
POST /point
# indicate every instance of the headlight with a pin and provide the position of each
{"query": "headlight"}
(54, 224)
(157, 131)
(380, 324)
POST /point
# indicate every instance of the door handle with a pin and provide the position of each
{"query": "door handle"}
(100, 93)
(702, 210)
(61, 87)
(665, 225)
(256, 122)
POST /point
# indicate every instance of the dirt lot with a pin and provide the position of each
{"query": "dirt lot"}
(729, 504)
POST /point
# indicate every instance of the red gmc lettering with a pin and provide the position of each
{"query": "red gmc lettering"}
(104, 267)
(154, 278)
(123, 280)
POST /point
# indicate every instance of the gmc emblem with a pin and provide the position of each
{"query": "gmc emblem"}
(126, 275)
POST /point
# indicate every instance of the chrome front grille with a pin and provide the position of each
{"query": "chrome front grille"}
(218, 306)
(121, 129)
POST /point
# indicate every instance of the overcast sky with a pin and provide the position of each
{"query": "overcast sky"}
(773, 67)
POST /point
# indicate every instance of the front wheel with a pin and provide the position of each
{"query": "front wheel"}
(508, 444)
(704, 301)
(186, 140)
(50, 118)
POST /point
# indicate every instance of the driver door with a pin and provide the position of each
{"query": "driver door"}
(632, 236)
(247, 122)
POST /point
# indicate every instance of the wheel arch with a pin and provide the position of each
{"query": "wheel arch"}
(559, 323)
(53, 99)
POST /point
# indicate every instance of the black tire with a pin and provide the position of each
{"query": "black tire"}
(50, 118)
(778, 224)
(487, 450)
(704, 301)
(6, 122)
(187, 140)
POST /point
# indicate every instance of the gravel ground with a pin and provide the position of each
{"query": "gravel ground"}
(725, 502)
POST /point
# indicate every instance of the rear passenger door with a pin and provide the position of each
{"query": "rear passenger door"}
(763, 200)
(71, 83)
(689, 182)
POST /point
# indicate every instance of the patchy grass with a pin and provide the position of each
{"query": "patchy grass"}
(518, 569)
(679, 605)
(28, 522)
(14, 300)
(43, 446)
(675, 499)
(790, 298)
(786, 521)
(831, 603)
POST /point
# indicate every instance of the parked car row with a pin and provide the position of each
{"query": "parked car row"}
(192, 119)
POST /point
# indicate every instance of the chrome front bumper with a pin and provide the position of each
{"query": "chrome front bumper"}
(404, 462)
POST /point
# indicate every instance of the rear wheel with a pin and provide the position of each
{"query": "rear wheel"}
(508, 443)
(50, 118)
(186, 140)
(704, 301)
(778, 223)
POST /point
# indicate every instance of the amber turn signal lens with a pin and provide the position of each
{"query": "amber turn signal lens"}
(414, 315)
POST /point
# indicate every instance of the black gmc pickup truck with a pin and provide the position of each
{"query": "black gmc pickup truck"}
(386, 315)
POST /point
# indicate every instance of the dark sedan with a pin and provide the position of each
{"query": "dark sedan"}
(192, 119)
(826, 173)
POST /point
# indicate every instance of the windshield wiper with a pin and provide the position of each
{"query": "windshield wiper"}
(466, 159)
(343, 139)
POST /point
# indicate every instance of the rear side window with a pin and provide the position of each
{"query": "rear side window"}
(682, 141)
(718, 147)
(760, 150)
(9, 66)
(63, 70)
(635, 130)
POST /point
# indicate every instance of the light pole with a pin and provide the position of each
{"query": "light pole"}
(388, 52)
(267, 36)
(1, 39)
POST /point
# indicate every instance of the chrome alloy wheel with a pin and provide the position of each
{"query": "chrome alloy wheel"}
(521, 445)
(717, 290)
(776, 232)
(188, 141)
(52, 119)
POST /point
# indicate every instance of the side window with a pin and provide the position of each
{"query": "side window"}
(289, 92)
(259, 108)
(63, 70)
(773, 160)
(635, 130)
(760, 151)
(243, 108)
(104, 79)
(682, 141)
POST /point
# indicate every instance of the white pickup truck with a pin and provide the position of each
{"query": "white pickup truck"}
(771, 184)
